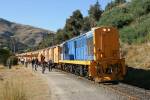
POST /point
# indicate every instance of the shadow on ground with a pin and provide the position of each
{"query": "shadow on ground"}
(138, 77)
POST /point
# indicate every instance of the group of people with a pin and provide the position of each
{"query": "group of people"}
(35, 63)
(24, 61)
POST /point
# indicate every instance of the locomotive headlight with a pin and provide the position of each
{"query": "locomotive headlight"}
(108, 29)
(101, 55)
(104, 29)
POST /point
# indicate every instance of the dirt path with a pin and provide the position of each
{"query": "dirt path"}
(66, 86)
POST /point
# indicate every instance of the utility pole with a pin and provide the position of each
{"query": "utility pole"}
(13, 44)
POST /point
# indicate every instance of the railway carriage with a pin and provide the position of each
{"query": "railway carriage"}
(51, 54)
(46, 54)
(35, 54)
(56, 54)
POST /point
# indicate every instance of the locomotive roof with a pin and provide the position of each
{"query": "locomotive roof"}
(85, 34)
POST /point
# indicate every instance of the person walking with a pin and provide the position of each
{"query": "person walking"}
(36, 64)
(50, 65)
(33, 63)
(43, 63)
(22, 61)
(9, 62)
(26, 62)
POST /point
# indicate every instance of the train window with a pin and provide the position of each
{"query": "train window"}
(81, 43)
(75, 44)
(90, 46)
(66, 49)
(78, 43)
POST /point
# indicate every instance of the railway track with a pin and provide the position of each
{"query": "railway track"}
(128, 92)
(124, 91)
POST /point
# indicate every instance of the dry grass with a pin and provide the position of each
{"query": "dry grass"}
(13, 90)
(138, 55)
(22, 84)
(138, 59)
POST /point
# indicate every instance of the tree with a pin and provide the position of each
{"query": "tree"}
(61, 36)
(95, 12)
(74, 23)
(46, 42)
(86, 25)
(4, 55)
(146, 6)
(110, 5)
(118, 2)
(114, 4)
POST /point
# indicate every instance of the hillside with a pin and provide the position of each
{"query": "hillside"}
(137, 55)
(25, 36)
(133, 21)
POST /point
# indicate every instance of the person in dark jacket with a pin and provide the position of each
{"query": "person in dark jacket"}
(43, 63)
(33, 63)
(50, 65)
(9, 62)
(36, 64)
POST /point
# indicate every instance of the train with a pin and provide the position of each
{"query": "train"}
(95, 55)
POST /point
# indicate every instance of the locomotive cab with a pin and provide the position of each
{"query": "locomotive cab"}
(108, 63)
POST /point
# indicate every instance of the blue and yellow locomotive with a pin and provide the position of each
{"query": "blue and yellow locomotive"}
(95, 54)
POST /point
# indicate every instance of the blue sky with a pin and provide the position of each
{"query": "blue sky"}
(47, 14)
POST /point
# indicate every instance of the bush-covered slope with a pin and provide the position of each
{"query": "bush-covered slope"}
(132, 19)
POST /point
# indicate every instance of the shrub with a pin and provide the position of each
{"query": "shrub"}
(137, 32)
(4, 55)
(14, 60)
(117, 17)
(139, 7)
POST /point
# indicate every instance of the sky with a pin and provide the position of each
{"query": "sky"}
(47, 14)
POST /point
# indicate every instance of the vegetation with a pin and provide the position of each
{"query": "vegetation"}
(20, 83)
(114, 4)
(14, 90)
(95, 13)
(118, 17)
(132, 18)
(4, 55)
(138, 32)
(48, 40)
